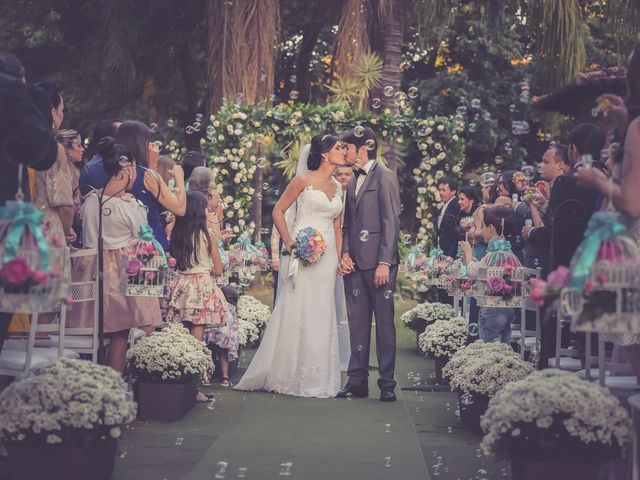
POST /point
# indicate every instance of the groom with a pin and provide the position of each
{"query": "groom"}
(369, 263)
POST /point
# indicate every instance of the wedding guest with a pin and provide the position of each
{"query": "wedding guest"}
(149, 187)
(343, 175)
(468, 201)
(494, 323)
(93, 174)
(121, 226)
(625, 195)
(25, 133)
(164, 166)
(202, 180)
(511, 184)
(192, 159)
(196, 300)
(54, 187)
(449, 217)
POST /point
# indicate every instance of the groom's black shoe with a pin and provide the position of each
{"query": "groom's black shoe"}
(351, 391)
(387, 396)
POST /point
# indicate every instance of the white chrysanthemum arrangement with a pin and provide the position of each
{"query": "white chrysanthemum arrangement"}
(253, 310)
(424, 314)
(443, 338)
(248, 333)
(67, 402)
(554, 415)
(485, 368)
(171, 355)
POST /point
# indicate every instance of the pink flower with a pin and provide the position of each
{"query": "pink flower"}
(133, 266)
(150, 276)
(40, 277)
(537, 292)
(508, 270)
(507, 288)
(150, 249)
(16, 271)
(449, 278)
(559, 278)
(57, 242)
(601, 278)
(68, 300)
(588, 288)
(172, 262)
(495, 284)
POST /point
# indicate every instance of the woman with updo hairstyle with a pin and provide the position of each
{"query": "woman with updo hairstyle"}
(122, 225)
(494, 323)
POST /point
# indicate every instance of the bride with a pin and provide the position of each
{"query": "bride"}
(299, 352)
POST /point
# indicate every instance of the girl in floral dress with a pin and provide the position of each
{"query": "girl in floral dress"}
(196, 300)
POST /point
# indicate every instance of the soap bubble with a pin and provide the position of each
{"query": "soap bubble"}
(472, 127)
(376, 103)
(387, 462)
(422, 129)
(359, 348)
(260, 163)
(475, 103)
(355, 293)
(485, 167)
(529, 172)
(412, 92)
(512, 108)
(171, 122)
(388, 91)
(387, 428)
(293, 79)
(189, 130)
(199, 117)
(358, 131)
(364, 235)
(153, 127)
(370, 144)
(473, 330)
(285, 469)
(197, 126)
(388, 294)
(259, 196)
(294, 94)
(486, 115)
(461, 110)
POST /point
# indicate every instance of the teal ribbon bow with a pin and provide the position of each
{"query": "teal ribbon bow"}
(601, 227)
(249, 248)
(20, 216)
(412, 256)
(146, 234)
(497, 244)
(436, 252)
(223, 254)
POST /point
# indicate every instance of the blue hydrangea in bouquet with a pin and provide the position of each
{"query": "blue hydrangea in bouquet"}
(309, 246)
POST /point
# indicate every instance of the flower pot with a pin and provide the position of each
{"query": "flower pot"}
(165, 401)
(440, 363)
(32, 462)
(472, 406)
(535, 470)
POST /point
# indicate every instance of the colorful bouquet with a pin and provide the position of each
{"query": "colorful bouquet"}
(309, 246)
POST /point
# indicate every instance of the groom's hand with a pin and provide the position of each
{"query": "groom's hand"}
(381, 276)
(346, 264)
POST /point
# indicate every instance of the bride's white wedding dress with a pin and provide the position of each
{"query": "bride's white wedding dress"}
(299, 351)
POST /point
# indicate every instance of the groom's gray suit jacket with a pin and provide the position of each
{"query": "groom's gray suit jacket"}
(372, 219)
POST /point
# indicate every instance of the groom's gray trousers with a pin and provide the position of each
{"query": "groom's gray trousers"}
(363, 300)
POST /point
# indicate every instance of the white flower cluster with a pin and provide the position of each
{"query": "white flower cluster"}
(443, 338)
(54, 402)
(171, 355)
(485, 368)
(253, 310)
(557, 398)
(248, 332)
(425, 313)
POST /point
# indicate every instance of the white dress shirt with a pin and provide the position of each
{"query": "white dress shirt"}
(362, 178)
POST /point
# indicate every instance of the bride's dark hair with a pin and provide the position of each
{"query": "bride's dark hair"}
(319, 144)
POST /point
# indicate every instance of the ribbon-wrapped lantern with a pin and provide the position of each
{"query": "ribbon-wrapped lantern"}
(603, 293)
(145, 268)
(501, 280)
(34, 270)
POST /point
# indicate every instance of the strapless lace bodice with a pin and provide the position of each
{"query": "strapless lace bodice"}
(315, 209)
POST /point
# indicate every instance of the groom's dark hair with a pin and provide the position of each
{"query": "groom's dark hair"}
(358, 138)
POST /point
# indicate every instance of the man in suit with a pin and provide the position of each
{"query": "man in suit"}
(370, 264)
(447, 226)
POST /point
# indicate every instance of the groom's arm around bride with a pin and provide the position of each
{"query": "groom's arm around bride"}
(370, 263)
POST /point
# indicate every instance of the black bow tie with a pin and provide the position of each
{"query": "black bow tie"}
(360, 171)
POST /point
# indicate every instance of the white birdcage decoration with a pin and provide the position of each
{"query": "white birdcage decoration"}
(144, 267)
(434, 271)
(460, 283)
(414, 261)
(603, 294)
(501, 280)
(34, 270)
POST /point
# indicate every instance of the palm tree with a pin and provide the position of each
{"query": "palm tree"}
(241, 61)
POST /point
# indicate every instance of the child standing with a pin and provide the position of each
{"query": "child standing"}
(494, 323)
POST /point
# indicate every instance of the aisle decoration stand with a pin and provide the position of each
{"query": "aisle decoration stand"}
(144, 268)
(434, 271)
